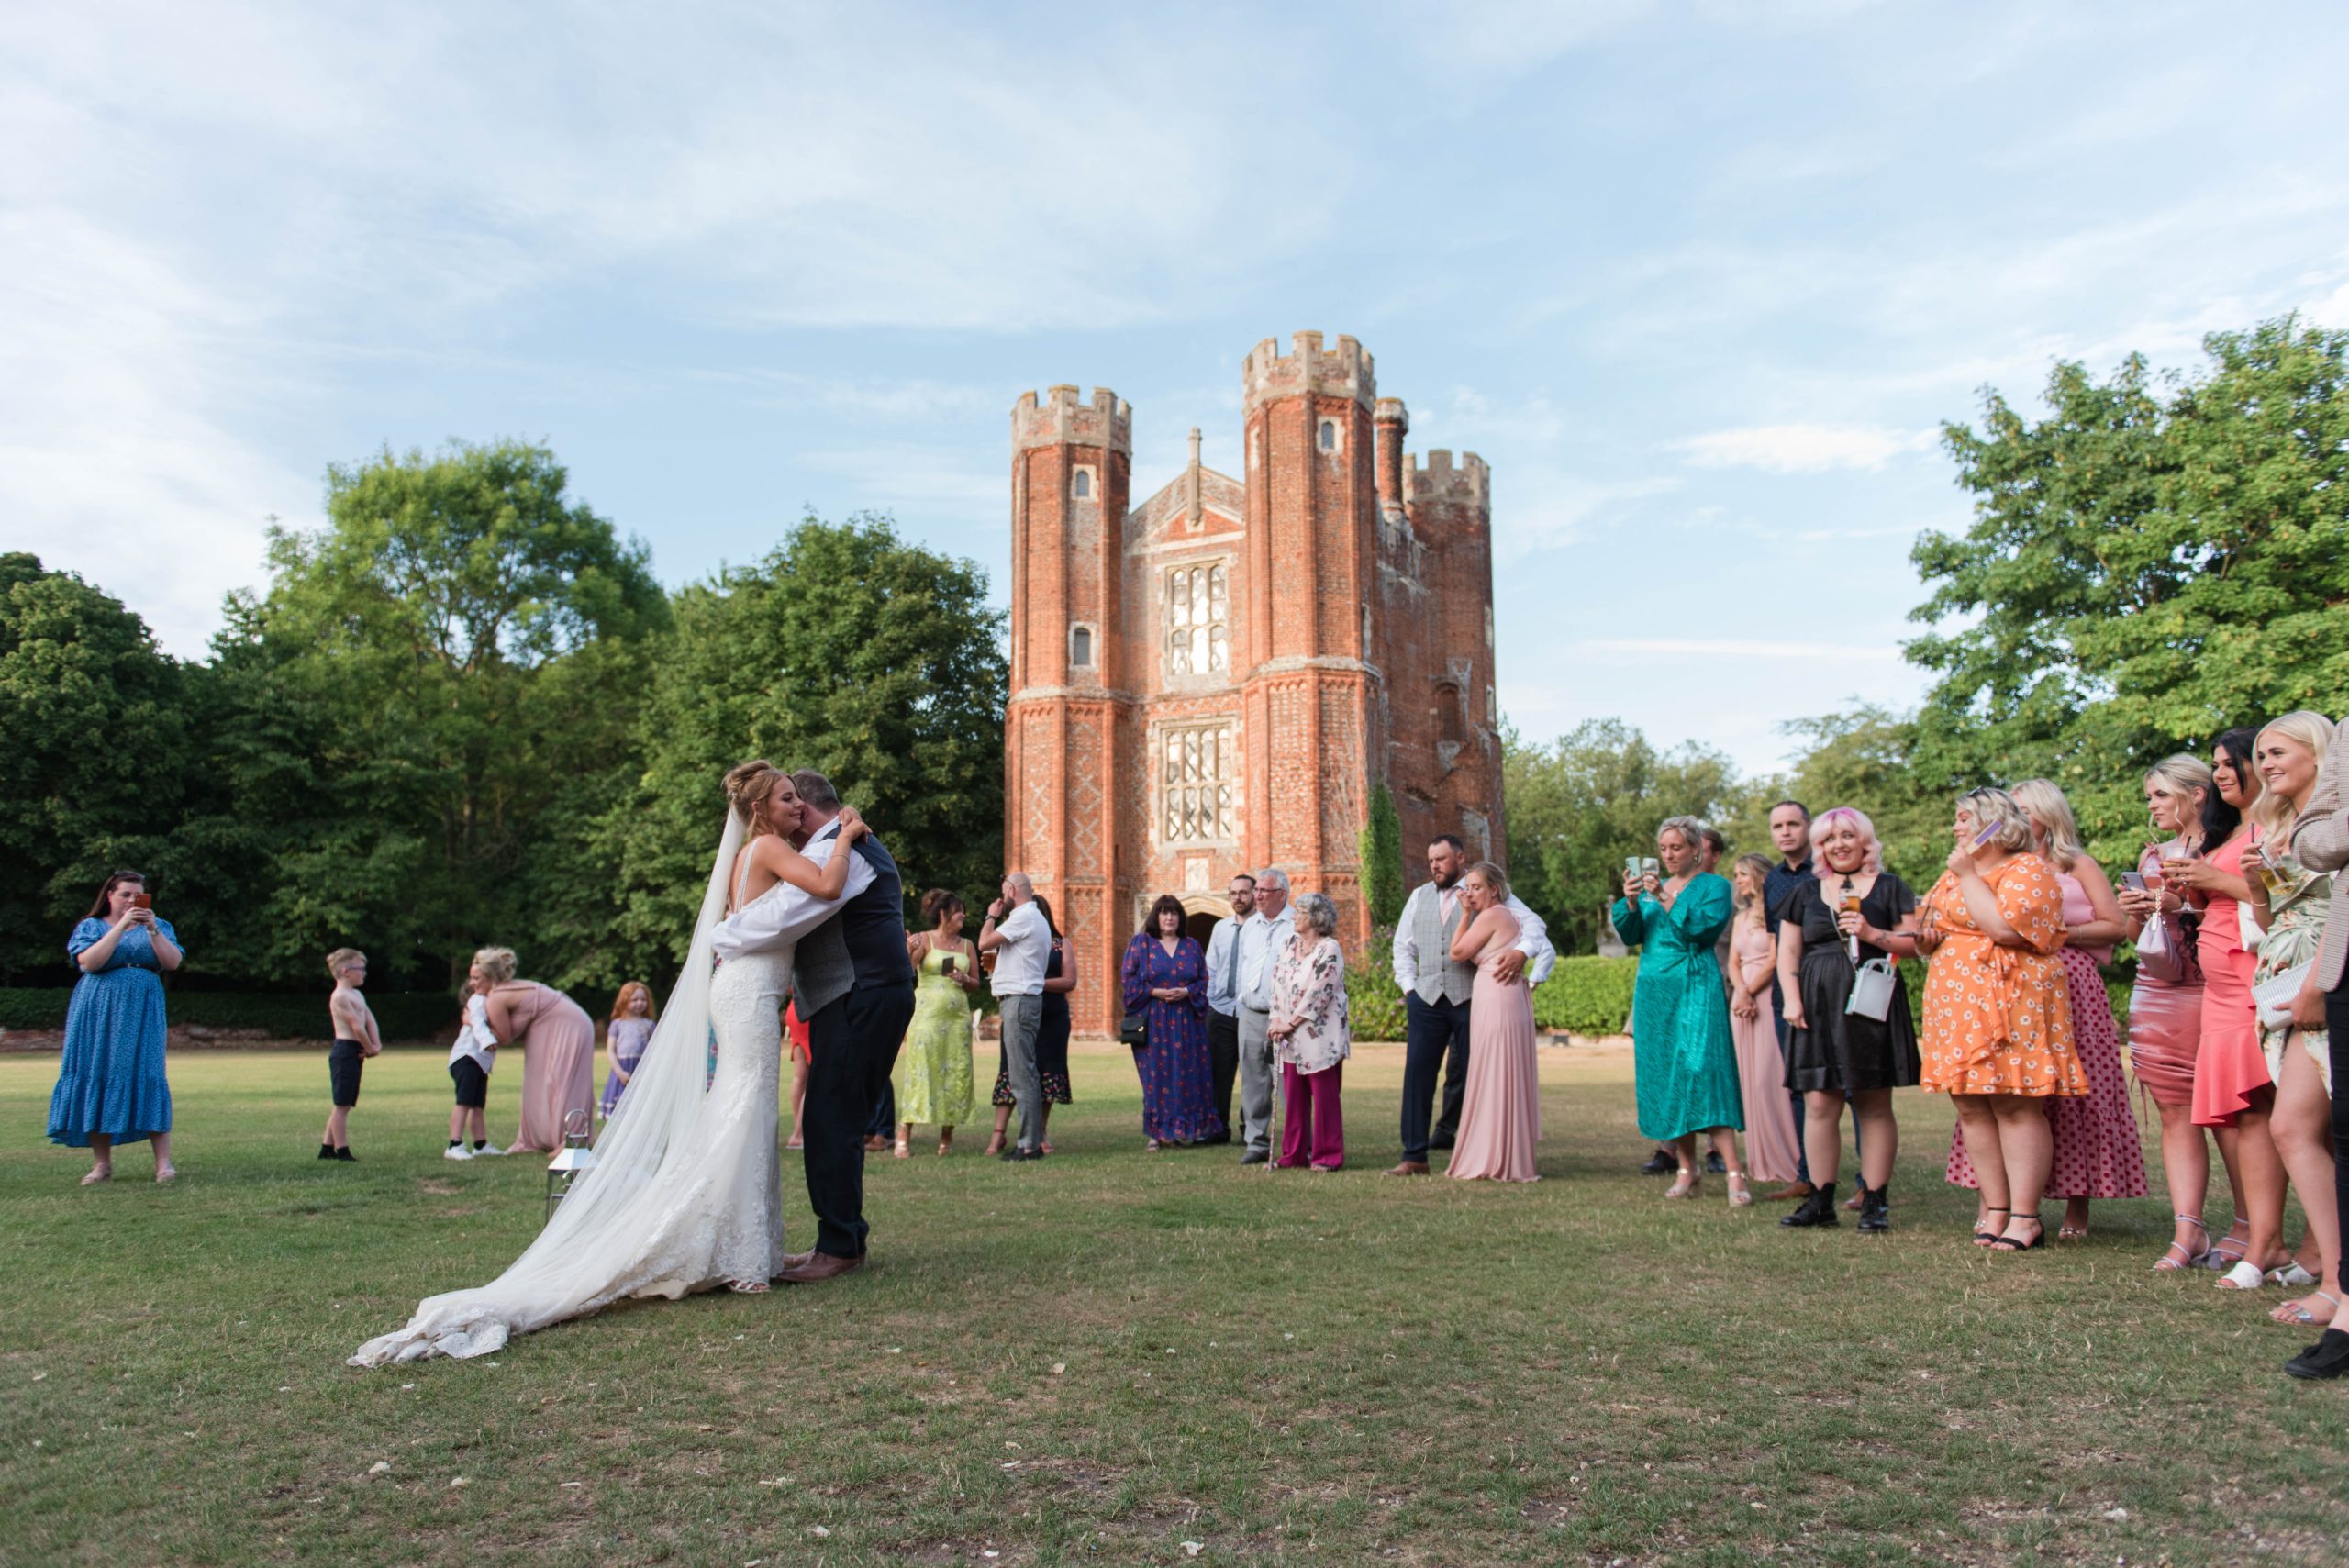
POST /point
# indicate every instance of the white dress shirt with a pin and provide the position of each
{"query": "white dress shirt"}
(1258, 940)
(1222, 974)
(1026, 952)
(784, 914)
(1533, 936)
(474, 1039)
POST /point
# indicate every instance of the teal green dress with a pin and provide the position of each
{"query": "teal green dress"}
(1683, 1058)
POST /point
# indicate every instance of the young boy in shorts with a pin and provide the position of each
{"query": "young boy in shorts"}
(470, 1061)
(355, 1039)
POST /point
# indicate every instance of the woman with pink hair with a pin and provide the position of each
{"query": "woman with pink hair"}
(1850, 912)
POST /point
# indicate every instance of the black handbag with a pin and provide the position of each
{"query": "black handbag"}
(1134, 1029)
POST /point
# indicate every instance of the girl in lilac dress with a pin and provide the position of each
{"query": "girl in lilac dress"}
(625, 1037)
(1164, 977)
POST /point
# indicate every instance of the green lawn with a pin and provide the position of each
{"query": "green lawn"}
(1112, 1356)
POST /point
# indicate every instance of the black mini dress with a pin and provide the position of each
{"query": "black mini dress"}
(1835, 1050)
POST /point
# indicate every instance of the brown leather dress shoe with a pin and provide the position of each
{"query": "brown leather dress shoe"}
(819, 1266)
(1793, 1192)
(795, 1260)
(1408, 1168)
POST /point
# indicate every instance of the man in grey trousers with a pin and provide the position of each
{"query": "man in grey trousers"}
(1016, 934)
(1266, 932)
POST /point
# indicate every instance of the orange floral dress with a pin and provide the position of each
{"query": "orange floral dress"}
(1999, 1019)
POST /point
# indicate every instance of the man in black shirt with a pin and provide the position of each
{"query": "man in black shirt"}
(1790, 835)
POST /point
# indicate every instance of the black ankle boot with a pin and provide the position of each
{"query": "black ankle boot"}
(1875, 1208)
(1819, 1208)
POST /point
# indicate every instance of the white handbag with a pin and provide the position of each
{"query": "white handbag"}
(2273, 997)
(1871, 995)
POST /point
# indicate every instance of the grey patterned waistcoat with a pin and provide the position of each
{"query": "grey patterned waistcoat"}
(1441, 978)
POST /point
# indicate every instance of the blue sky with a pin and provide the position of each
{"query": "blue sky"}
(1698, 281)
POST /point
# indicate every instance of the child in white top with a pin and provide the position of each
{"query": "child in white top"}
(470, 1061)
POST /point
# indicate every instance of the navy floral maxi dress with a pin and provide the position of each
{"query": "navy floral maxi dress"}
(1177, 1082)
(111, 1078)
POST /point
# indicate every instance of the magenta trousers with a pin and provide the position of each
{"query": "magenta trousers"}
(1312, 1125)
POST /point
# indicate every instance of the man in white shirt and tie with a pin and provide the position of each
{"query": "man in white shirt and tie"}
(1436, 991)
(1262, 935)
(1223, 998)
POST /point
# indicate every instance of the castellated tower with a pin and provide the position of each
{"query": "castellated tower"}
(1309, 687)
(1217, 678)
(1071, 466)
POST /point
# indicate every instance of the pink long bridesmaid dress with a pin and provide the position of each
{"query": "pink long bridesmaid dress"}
(1772, 1149)
(1500, 1115)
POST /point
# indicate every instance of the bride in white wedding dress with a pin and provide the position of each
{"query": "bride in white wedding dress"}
(684, 1195)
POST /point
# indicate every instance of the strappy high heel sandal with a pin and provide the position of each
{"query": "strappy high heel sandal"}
(2219, 1259)
(2005, 1243)
(1739, 1195)
(2166, 1264)
(1690, 1183)
(2297, 1312)
(1982, 1237)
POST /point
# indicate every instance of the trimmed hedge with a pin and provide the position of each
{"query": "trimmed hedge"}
(1587, 995)
(400, 1015)
(1583, 995)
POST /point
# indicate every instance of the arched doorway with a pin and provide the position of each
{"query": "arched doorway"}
(1200, 912)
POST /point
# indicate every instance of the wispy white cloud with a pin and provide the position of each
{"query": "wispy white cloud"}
(1801, 449)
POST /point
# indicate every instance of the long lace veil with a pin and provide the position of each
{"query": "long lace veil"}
(570, 1268)
(665, 1093)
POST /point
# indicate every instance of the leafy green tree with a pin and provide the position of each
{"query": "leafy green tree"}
(846, 649)
(95, 739)
(1577, 805)
(430, 705)
(2148, 565)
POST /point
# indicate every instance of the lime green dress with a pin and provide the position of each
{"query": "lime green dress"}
(933, 1074)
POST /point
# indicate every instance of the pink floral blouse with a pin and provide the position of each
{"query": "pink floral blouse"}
(1311, 990)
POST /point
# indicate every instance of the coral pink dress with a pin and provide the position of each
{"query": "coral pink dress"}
(2098, 1151)
(1772, 1152)
(2230, 1067)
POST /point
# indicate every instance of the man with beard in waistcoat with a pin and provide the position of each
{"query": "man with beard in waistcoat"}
(854, 989)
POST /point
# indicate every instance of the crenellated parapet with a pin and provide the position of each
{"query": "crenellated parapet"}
(1344, 370)
(1058, 419)
(1441, 483)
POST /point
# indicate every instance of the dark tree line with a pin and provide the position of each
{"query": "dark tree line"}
(464, 711)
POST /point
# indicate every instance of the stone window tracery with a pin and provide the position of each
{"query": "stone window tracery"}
(1195, 783)
(1198, 620)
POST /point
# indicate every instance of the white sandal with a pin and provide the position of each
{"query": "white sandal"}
(1739, 1195)
(2245, 1275)
(2291, 1274)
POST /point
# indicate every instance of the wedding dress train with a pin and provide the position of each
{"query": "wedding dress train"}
(685, 1195)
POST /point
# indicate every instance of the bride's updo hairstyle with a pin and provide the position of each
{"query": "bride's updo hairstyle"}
(749, 786)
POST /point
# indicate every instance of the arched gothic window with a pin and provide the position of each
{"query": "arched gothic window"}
(1329, 435)
(1082, 485)
(1080, 648)
(1199, 616)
